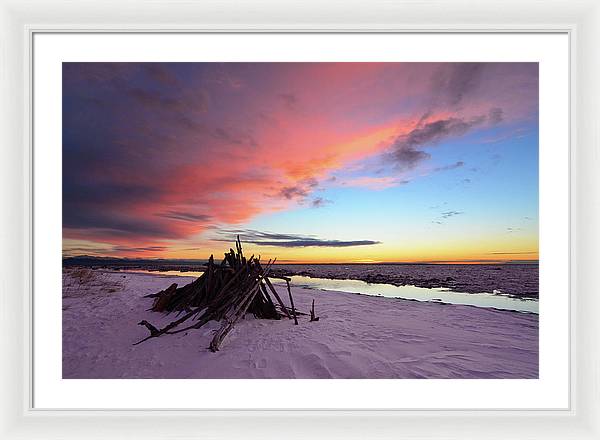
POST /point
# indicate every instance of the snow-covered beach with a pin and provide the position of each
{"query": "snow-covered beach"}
(357, 336)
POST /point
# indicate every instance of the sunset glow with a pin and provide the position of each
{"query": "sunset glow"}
(307, 162)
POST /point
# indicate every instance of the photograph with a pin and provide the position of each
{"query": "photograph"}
(300, 220)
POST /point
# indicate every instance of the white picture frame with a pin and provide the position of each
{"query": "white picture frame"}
(20, 20)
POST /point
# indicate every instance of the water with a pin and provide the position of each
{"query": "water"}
(497, 301)
(513, 279)
(489, 300)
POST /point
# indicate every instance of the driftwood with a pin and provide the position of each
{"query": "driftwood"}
(292, 302)
(225, 292)
(268, 283)
(313, 318)
(172, 287)
(153, 330)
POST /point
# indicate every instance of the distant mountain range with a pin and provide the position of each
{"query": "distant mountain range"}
(89, 260)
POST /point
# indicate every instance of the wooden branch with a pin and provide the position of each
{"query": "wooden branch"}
(298, 312)
(313, 318)
(204, 318)
(292, 302)
(268, 283)
(229, 323)
(167, 328)
(238, 311)
(154, 295)
(163, 298)
(153, 330)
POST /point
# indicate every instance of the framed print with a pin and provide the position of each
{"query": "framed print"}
(346, 226)
(244, 177)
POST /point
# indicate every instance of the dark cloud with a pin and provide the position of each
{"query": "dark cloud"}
(105, 209)
(251, 234)
(79, 193)
(292, 192)
(452, 166)
(287, 240)
(451, 84)
(139, 249)
(317, 243)
(454, 81)
(120, 249)
(299, 191)
(185, 216)
(408, 157)
(496, 115)
(449, 214)
(319, 202)
(407, 150)
(433, 132)
(109, 209)
(118, 224)
(446, 215)
(290, 100)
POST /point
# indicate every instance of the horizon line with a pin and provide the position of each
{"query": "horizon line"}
(196, 260)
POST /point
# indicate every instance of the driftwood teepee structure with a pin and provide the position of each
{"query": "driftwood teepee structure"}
(224, 292)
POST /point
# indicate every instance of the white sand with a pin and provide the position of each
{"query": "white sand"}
(357, 337)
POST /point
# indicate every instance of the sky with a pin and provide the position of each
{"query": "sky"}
(307, 162)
